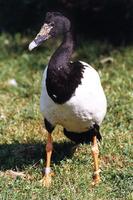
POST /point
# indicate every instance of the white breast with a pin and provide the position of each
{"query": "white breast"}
(86, 107)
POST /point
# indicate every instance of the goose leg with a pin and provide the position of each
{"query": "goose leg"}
(95, 153)
(46, 181)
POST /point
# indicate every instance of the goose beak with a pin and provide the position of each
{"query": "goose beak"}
(32, 45)
(37, 42)
(43, 35)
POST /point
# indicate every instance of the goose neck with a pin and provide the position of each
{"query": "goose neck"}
(63, 53)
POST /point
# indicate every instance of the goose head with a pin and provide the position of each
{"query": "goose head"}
(55, 24)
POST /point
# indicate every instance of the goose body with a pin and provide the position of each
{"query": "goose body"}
(86, 106)
(72, 95)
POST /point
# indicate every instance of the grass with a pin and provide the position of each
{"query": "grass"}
(22, 137)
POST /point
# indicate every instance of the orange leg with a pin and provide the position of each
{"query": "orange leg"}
(95, 153)
(46, 181)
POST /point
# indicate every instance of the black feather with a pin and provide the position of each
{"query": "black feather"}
(85, 137)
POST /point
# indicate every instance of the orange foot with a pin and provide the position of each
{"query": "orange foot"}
(96, 180)
(46, 180)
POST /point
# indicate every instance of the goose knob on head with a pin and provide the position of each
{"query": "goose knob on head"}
(72, 95)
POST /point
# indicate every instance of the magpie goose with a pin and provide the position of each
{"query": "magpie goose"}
(72, 95)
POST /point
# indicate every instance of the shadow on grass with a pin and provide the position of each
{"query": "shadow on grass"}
(19, 156)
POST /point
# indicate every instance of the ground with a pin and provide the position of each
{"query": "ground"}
(22, 137)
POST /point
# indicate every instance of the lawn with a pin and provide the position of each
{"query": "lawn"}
(22, 137)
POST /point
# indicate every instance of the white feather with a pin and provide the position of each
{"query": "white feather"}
(86, 107)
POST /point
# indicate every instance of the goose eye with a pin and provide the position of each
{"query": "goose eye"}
(52, 23)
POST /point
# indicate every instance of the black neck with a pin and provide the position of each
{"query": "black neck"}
(62, 55)
(63, 77)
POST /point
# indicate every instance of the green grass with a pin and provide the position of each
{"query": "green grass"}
(22, 137)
